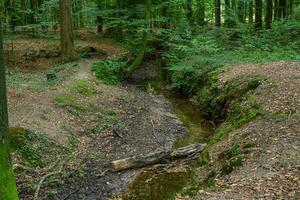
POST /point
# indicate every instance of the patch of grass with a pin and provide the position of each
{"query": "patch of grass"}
(71, 101)
(230, 159)
(109, 120)
(203, 159)
(33, 146)
(66, 100)
(110, 71)
(84, 87)
(229, 165)
(235, 121)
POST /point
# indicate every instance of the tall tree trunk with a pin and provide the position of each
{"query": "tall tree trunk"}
(66, 31)
(99, 19)
(218, 13)
(241, 10)
(228, 21)
(276, 9)
(269, 14)
(8, 189)
(258, 14)
(189, 10)
(291, 7)
(201, 12)
(282, 8)
(139, 58)
(250, 11)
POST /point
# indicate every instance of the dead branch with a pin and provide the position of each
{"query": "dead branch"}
(44, 178)
(160, 156)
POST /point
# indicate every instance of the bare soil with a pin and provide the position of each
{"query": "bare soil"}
(271, 169)
(124, 111)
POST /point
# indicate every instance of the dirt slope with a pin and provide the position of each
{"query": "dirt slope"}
(271, 169)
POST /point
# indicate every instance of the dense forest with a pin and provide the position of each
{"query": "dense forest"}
(149, 99)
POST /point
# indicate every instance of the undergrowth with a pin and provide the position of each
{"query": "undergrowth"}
(191, 57)
(110, 71)
(34, 147)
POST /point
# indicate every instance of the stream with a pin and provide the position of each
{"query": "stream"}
(162, 182)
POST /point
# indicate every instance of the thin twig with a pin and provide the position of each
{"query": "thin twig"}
(103, 173)
(44, 178)
(68, 195)
(154, 134)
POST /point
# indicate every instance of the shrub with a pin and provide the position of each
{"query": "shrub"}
(110, 71)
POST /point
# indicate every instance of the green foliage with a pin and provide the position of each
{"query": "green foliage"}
(109, 120)
(191, 58)
(110, 71)
(217, 100)
(231, 159)
(203, 159)
(84, 87)
(70, 101)
(229, 165)
(33, 146)
(241, 113)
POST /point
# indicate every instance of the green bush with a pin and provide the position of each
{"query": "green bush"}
(110, 71)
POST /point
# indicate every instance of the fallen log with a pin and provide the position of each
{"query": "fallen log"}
(156, 158)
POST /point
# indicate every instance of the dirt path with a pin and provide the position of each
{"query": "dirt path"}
(114, 122)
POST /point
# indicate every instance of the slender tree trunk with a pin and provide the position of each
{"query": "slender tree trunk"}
(201, 12)
(218, 13)
(269, 14)
(66, 32)
(282, 9)
(291, 7)
(8, 190)
(99, 18)
(189, 10)
(250, 11)
(227, 13)
(258, 14)
(276, 9)
(139, 58)
(241, 10)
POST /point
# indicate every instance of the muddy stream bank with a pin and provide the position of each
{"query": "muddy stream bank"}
(161, 182)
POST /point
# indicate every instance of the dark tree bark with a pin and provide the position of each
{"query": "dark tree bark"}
(139, 58)
(99, 18)
(189, 10)
(218, 13)
(66, 32)
(250, 11)
(258, 14)
(269, 14)
(241, 10)
(201, 12)
(276, 9)
(282, 9)
(229, 21)
(291, 7)
(8, 188)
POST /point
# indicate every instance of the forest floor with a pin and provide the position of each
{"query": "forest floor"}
(271, 169)
(96, 123)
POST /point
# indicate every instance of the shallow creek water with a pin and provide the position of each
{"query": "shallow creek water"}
(161, 183)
